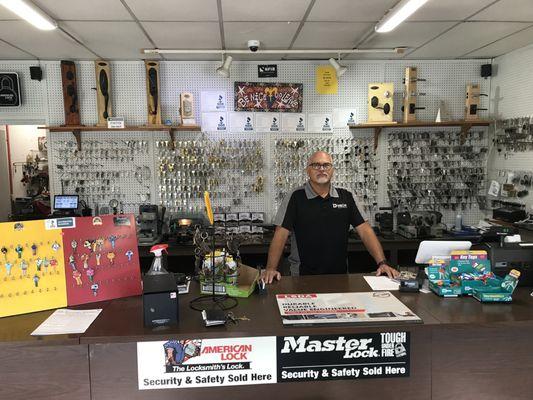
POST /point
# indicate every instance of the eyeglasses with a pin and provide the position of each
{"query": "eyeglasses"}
(319, 166)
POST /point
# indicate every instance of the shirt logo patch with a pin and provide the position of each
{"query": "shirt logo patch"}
(340, 205)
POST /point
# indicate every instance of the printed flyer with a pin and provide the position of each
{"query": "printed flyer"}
(328, 308)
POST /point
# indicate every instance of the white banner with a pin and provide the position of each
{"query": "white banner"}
(206, 362)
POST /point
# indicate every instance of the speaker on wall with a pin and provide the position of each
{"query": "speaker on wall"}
(486, 70)
(36, 73)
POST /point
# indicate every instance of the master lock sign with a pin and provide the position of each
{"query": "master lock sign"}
(9, 89)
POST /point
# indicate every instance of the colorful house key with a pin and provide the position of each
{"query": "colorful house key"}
(24, 267)
(39, 263)
(72, 261)
(129, 254)
(19, 250)
(94, 288)
(111, 257)
(56, 246)
(4, 252)
(8, 266)
(97, 256)
(46, 263)
(90, 274)
(34, 249)
(112, 239)
(36, 280)
(85, 259)
(77, 277)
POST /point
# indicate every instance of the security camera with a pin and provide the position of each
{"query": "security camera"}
(253, 45)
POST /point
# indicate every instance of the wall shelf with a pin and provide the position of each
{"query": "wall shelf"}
(465, 126)
(78, 129)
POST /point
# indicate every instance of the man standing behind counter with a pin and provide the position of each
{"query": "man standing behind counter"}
(319, 217)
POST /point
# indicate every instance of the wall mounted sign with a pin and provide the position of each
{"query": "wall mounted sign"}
(267, 71)
(262, 96)
(326, 80)
(9, 89)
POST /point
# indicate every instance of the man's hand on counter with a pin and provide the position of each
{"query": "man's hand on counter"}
(387, 269)
(268, 275)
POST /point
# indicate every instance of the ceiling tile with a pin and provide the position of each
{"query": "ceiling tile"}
(48, 45)
(448, 10)
(510, 43)
(174, 10)
(408, 34)
(5, 14)
(8, 52)
(330, 35)
(466, 37)
(271, 10)
(350, 10)
(184, 35)
(273, 35)
(85, 10)
(110, 40)
(507, 10)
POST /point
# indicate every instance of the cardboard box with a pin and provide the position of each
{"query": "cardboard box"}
(246, 281)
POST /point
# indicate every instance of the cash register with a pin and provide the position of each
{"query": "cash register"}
(66, 205)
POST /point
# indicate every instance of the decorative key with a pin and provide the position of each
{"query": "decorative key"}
(36, 280)
(77, 277)
(94, 288)
(24, 267)
(129, 254)
(56, 246)
(4, 252)
(97, 256)
(111, 257)
(90, 274)
(8, 266)
(38, 264)
(34, 249)
(19, 250)
(112, 239)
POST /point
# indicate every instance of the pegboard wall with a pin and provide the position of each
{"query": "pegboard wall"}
(511, 97)
(446, 81)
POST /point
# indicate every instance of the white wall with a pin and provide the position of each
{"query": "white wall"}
(512, 96)
(5, 199)
(22, 139)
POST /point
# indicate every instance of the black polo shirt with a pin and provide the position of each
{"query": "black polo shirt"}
(320, 228)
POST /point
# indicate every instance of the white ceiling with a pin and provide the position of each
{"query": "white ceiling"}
(119, 29)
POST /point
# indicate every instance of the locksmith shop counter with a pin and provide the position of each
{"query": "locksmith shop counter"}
(463, 349)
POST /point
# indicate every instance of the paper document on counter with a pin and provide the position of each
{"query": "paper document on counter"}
(66, 321)
(381, 283)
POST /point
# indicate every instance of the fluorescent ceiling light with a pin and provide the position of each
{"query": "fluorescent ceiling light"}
(224, 69)
(339, 69)
(30, 13)
(399, 13)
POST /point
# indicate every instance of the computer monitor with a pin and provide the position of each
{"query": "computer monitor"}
(66, 202)
(430, 248)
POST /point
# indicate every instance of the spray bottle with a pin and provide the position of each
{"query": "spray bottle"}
(159, 263)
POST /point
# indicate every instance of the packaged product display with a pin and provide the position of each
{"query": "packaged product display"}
(469, 273)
